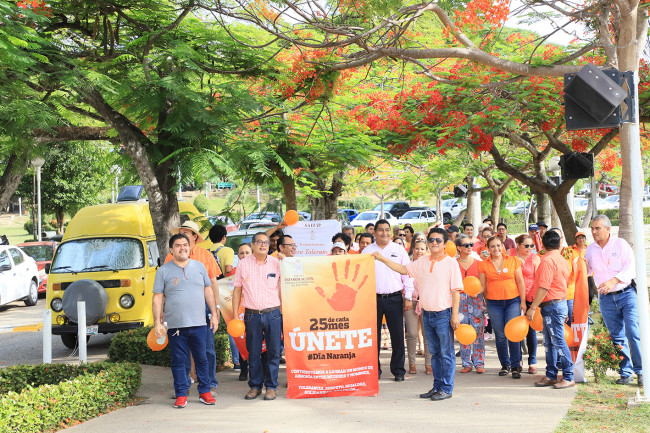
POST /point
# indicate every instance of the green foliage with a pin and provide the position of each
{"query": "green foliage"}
(612, 214)
(601, 353)
(49, 397)
(201, 203)
(131, 346)
(47, 224)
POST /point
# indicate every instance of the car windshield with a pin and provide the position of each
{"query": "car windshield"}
(98, 254)
(367, 216)
(612, 199)
(411, 214)
(40, 253)
(387, 206)
(449, 202)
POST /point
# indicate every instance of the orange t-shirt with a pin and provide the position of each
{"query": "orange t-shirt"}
(553, 274)
(500, 284)
(204, 256)
(351, 251)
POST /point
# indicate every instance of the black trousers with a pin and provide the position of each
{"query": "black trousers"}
(393, 309)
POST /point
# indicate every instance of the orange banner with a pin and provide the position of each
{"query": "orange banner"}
(329, 309)
(580, 320)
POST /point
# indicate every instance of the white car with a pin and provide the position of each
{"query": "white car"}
(372, 216)
(452, 207)
(18, 276)
(417, 216)
(612, 201)
(580, 204)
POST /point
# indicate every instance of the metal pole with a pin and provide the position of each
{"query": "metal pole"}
(180, 187)
(20, 206)
(38, 186)
(47, 336)
(259, 206)
(81, 332)
(631, 130)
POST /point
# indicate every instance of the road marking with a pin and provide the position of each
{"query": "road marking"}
(22, 328)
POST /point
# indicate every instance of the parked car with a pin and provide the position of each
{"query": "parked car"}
(224, 221)
(417, 216)
(352, 213)
(272, 216)
(305, 215)
(612, 201)
(371, 216)
(42, 253)
(18, 276)
(396, 208)
(580, 204)
(608, 189)
(451, 208)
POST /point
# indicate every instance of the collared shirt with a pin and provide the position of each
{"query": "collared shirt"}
(204, 256)
(508, 243)
(616, 259)
(436, 279)
(389, 281)
(500, 284)
(553, 274)
(260, 283)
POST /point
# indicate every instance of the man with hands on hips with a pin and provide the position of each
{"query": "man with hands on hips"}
(181, 290)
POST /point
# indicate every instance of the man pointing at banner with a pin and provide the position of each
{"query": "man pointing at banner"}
(439, 283)
(389, 294)
(258, 277)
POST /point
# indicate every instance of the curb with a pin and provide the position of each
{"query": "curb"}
(22, 328)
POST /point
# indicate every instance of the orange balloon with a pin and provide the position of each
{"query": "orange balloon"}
(517, 328)
(236, 328)
(538, 322)
(465, 334)
(291, 217)
(450, 249)
(568, 335)
(471, 286)
(156, 344)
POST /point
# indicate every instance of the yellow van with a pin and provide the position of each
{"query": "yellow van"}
(108, 257)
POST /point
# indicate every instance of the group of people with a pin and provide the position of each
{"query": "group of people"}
(419, 285)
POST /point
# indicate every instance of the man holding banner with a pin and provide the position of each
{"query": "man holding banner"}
(258, 277)
(389, 294)
(439, 284)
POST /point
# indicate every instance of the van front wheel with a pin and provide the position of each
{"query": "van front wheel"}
(70, 340)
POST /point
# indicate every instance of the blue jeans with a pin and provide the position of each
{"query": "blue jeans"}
(569, 304)
(557, 351)
(267, 327)
(502, 311)
(234, 351)
(531, 342)
(439, 335)
(210, 353)
(621, 316)
(182, 342)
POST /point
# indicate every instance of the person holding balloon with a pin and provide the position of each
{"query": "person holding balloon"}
(502, 284)
(529, 263)
(551, 280)
(440, 283)
(472, 306)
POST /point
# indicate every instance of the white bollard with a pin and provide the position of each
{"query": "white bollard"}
(47, 336)
(81, 332)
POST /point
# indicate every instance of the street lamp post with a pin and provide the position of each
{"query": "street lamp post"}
(38, 164)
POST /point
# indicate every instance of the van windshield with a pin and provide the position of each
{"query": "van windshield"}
(98, 254)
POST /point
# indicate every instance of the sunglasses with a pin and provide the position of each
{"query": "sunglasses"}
(529, 245)
(436, 240)
(469, 245)
(402, 235)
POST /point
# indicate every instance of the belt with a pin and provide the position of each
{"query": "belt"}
(266, 310)
(389, 295)
(630, 287)
(552, 301)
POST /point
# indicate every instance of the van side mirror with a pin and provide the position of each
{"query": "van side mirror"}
(5, 268)
(48, 266)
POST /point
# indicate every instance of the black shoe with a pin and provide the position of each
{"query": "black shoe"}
(282, 360)
(624, 380)
(504, 371)
(639, 379)
(516, 373)
(458, 354)
(429, 393)
(243, 373)
(440, 396)
(399, 378)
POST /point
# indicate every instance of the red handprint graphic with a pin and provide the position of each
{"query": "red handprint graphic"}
(344, 295)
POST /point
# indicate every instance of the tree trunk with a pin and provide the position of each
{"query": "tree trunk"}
(559, 197)
(326, 206)
(496, 207)
(289, 188)
(11, 177)
(472, 203)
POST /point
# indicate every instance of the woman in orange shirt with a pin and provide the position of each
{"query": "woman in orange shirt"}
(502, 284)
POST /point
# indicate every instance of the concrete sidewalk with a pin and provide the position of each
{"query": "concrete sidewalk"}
(481, 403)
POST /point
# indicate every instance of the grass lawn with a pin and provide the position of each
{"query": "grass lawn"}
(13, 228)
(603, 407)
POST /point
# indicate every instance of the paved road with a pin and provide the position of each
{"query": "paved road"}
(16, 315)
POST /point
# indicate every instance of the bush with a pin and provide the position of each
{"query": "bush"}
(41, 404)
(201, 203)
(47, 225)
(131, 346)
(601, 353)
(612, 214)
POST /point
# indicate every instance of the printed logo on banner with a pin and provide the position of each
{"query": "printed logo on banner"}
(329, 315)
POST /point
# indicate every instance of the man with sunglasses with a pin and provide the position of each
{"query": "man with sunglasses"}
(439, 283)
(389, 295)
(257, 277)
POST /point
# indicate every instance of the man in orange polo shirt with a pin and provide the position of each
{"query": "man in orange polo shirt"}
(551, 280)
(439, 283)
